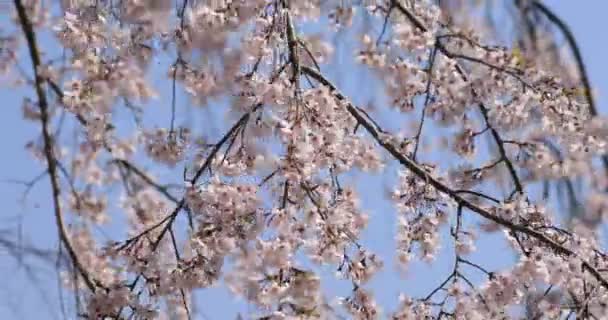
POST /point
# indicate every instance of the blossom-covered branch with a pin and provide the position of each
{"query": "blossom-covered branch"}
(426, 176)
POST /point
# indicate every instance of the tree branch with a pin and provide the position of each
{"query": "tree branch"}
(578, 57)
(30, 36)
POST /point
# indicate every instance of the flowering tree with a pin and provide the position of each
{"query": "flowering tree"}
(268, 194)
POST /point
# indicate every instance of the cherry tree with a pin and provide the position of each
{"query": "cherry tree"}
(245, 166)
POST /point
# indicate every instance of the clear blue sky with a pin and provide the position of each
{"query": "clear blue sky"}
(27, 298)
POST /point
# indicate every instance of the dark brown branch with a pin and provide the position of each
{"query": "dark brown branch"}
(292, 43)
(43, 105)
(478, 194)
(476, 266)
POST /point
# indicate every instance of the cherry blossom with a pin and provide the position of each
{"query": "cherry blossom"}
(247, 162)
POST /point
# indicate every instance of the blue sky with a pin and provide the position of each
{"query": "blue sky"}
(34, 298)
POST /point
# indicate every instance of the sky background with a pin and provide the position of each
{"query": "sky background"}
(32, 294)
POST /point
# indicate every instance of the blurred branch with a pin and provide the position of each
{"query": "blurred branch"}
(578, 57)
(563, 27)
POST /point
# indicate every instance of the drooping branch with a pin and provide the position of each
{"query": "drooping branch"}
(49, 147)
(578, 57)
